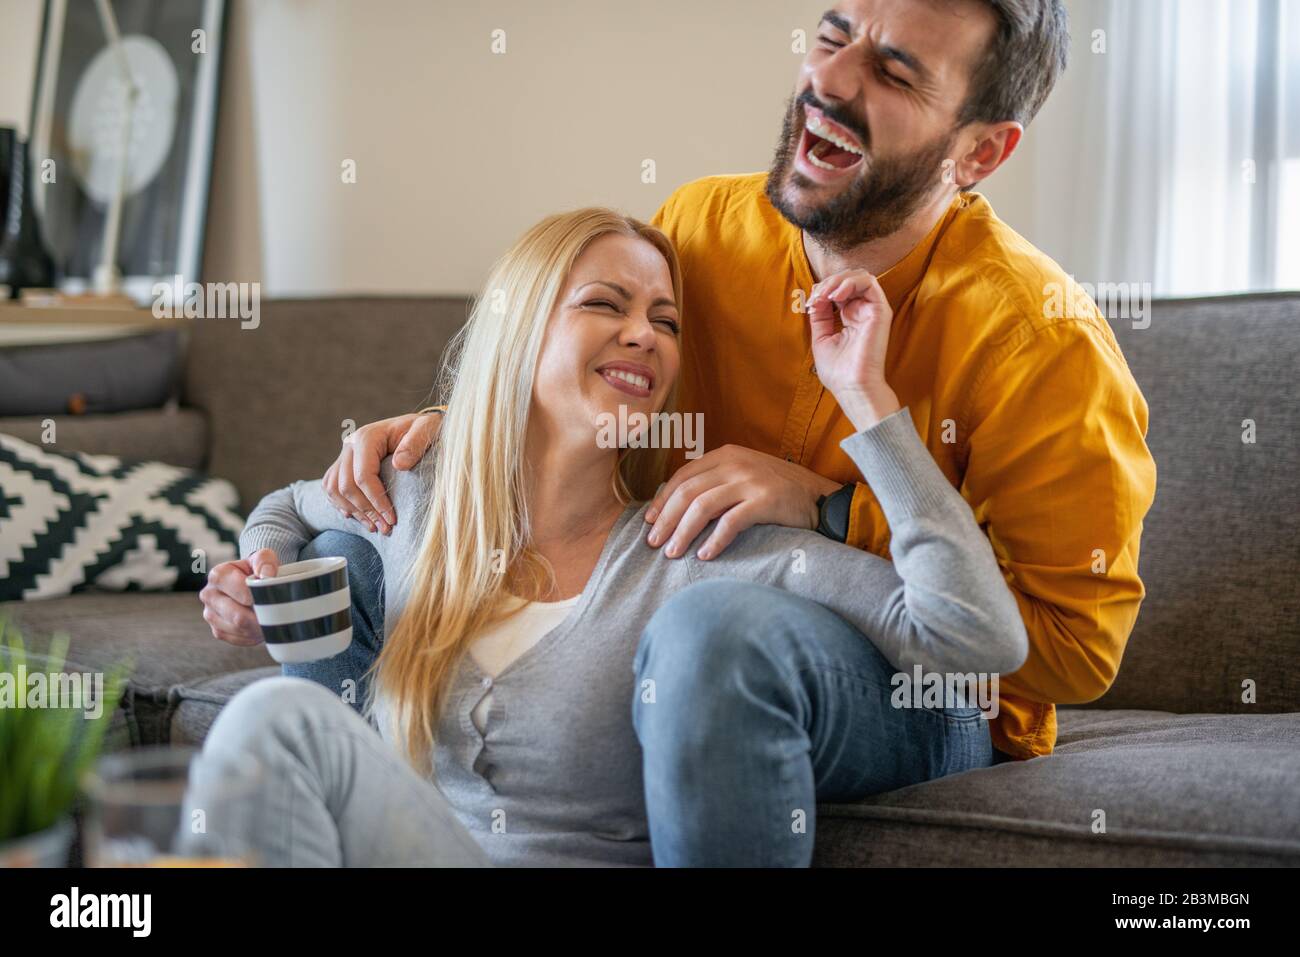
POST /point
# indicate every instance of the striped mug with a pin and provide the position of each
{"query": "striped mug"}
(306, 610)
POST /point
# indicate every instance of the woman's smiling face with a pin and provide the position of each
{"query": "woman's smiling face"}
(611, 340)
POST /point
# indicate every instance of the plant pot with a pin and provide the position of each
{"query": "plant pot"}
(47, 848)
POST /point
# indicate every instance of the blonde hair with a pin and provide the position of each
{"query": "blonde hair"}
(476, 522)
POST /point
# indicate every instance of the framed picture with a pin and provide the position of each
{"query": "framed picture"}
(84, 121)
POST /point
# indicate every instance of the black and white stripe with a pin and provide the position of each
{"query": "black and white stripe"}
(306, 610)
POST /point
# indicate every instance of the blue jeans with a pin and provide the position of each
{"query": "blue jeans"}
(330, 792)
(754, 704)
(763, 704)
(345, 673)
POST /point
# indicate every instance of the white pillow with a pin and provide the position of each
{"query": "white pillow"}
(70, 521)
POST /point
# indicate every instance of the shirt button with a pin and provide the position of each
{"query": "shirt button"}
(487, 682)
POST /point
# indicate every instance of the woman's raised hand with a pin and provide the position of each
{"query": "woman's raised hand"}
(850, 319)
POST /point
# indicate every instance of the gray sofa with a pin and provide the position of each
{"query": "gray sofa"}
(1179, 767)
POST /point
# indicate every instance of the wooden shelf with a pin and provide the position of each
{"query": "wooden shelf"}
(22, 324)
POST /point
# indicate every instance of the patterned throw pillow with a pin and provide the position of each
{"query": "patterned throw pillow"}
(70, 521)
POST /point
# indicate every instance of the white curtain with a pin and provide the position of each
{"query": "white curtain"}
(1174, 156)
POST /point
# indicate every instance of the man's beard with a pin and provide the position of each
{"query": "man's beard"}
(873, 206)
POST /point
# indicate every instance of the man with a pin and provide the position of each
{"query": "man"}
(765, 703)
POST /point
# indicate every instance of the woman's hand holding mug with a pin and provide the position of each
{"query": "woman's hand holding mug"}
(228, 601)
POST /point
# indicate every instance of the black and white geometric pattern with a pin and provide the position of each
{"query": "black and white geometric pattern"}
(70, 521)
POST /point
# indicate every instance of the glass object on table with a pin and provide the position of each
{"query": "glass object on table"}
(157, 807)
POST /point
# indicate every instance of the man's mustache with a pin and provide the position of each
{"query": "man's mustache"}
(858, 127)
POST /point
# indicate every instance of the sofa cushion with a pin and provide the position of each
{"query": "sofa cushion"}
(136, 371)
(195, 705)
(1177, 790)
(177, 436)
(1221, 543)
(164, 634)
(280, 396)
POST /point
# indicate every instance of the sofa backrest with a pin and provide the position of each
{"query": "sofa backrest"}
(177, 436)
(1220, 551)
(1220, 547)
(278, 396)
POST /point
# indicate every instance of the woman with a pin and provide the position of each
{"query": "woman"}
(518, 668)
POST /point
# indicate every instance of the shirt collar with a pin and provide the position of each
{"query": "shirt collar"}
(902, 277)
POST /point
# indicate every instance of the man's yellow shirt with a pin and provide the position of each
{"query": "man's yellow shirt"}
(1013, 379)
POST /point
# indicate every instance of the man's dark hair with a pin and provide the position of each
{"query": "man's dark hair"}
(1020, 66)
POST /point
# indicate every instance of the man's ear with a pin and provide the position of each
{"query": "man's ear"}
(990, 146)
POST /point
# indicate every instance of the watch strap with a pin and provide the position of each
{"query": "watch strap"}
(833, 513)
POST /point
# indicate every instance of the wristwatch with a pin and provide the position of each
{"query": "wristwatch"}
(833, 513)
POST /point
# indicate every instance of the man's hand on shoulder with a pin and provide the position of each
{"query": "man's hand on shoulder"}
(738, 486)
(353, 482)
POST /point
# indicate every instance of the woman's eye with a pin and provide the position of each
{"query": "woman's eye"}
(672, 325)
(601, 302)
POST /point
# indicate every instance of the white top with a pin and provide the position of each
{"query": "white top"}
(496, 648)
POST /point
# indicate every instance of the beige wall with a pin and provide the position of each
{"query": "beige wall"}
(20, 36)
(458, 149)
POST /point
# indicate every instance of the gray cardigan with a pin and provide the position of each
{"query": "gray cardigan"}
(941, 604)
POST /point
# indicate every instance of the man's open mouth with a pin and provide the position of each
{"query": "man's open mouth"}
(827, 146)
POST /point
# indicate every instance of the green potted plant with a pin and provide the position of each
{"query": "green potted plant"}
(44, 750)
